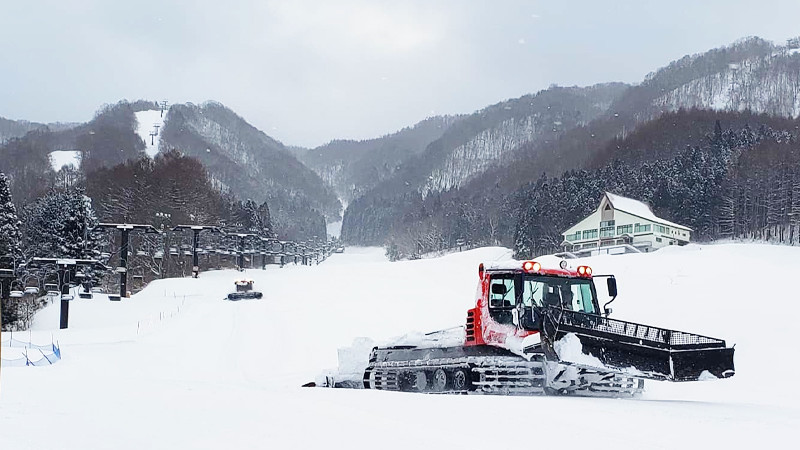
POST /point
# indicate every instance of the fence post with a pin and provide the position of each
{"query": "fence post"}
(45, 357)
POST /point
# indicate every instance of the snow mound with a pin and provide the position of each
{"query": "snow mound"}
(569, 349)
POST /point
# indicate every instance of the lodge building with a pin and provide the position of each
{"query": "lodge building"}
(622, 225)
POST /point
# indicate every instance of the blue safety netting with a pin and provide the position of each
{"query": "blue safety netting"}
(31, 354)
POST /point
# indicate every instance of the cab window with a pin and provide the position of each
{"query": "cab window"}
(533, 292)
(568, 293)
(502, 299)
(582, 296)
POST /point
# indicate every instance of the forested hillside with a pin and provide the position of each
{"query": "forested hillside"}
(355, 167)
(106, 140)
(471, 146)
(246, 162)
(731, 175)
(643, 129)
(739, 178)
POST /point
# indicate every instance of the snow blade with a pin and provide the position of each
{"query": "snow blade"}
(634, 349)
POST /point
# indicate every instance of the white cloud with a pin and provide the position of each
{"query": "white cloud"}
(312, 71)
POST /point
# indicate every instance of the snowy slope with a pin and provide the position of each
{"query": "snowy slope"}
(206, 373)
(768, 84)
(148, 122)
(488, 147)
(61, 158)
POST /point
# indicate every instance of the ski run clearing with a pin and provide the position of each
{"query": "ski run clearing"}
(148, 126)
(178, 367)
(61, 158)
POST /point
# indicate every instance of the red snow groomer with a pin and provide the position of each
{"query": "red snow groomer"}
(538, 330)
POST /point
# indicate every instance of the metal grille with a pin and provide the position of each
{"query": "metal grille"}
(630, 329)
(470, 332)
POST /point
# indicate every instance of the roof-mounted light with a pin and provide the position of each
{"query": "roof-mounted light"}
(531, 266)
(585, 271)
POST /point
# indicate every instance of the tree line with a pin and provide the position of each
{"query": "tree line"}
(738, 181)
(169, 190)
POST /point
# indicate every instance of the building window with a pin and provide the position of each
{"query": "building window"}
(622, 229)
(660, 228)
(607, 232)
(658, 239)
(641, 228)
(607, 223)
(573, 237)
(590, 234)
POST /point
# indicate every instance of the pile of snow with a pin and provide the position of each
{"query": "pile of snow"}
(149, 123)
(61, 158)
(210, 373)
(569, 348)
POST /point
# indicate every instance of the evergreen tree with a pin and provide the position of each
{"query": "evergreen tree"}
(80, 234)
(10, 237)
(62, 225)
(10, 251)
(252, 218)
(266, 221)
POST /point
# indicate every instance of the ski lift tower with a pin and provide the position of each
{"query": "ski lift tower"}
(122, 269)
(240, 252)
(68, 276)
(196, 229)
(6, 277)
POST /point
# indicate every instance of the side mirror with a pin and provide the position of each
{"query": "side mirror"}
(609, 311)
(499, 289)
(611, 282)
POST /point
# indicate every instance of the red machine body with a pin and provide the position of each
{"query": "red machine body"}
(481, 328)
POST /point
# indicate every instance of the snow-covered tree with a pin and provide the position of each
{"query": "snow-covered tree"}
(251, 217)
(62, 224)
(10, 237)
(266, 221)
(256, 218)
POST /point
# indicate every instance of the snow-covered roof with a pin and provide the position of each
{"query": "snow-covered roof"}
(547, 262)
(639, 209)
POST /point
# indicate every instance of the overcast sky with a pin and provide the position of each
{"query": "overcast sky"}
(306, 72)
